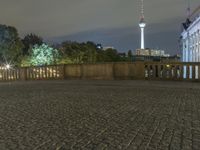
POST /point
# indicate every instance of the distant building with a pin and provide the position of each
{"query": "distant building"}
(190, 38)
(154, 55)
(108, 47)
(145, 58)
(151, 52)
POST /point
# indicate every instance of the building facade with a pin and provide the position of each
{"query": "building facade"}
(146, 58)
(190, 38)
(154, 55)
(151, 52)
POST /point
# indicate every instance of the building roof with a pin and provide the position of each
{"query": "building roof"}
(196, 12)
(191, 21)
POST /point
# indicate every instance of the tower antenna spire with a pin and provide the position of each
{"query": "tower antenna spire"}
(142, 9)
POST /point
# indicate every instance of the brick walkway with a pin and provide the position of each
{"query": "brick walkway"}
(127, 115)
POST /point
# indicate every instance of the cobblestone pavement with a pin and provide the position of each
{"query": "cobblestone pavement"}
(95, 115)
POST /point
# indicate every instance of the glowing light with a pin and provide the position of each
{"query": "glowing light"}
(7, 66)
(142, 25)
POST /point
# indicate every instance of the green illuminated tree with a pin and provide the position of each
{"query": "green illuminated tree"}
(43, 55)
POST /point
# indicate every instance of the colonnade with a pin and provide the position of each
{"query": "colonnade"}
(191, 44)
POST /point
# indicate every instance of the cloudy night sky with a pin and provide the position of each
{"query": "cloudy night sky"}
(110, 22)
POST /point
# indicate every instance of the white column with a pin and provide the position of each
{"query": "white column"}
(190, 49)
(198, 42)
(193, 57)
(194, 47)
(184, 50)
(198, 46)
(188, 52)
(187, 49)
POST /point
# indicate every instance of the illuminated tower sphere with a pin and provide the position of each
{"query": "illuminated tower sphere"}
(142, 25)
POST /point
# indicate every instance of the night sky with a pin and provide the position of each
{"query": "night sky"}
(110, 22)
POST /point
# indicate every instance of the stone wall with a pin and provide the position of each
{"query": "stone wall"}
(105, 71)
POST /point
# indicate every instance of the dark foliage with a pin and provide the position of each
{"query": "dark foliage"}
(29, 41)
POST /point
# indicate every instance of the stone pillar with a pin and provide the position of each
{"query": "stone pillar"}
(23, 73)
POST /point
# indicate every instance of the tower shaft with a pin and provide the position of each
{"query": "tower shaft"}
(142, 38)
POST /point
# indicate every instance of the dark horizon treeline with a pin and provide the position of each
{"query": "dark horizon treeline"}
(16, 50)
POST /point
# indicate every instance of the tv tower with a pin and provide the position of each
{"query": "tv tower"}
(142, 24)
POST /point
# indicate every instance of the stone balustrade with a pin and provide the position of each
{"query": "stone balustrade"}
(172, 71)
(107, 71)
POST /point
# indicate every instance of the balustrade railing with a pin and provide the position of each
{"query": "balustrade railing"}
(9, 74)
(172, 71)
(136, 70)
(44, 72)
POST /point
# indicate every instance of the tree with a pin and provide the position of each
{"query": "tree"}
(111, 55)
(130, 55)
(43, 55)
(100, 55)
(87, 52)
(10, 44)
(79, 52)
(29, 41)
